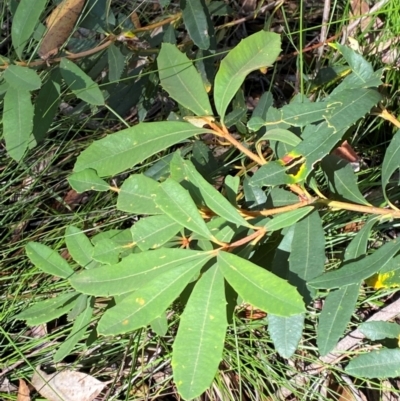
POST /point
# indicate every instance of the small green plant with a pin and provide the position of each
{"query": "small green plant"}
(258, 238)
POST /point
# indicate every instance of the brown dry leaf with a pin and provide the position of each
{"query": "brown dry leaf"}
(60, 24)
(67, 385)
(23, 391)
(358, 9)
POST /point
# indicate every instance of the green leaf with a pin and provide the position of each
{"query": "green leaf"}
(391, 162)
(195, 20)
(182, 81)
(24, 22)
(77, 333)
(355, 272)
(335, 316)
(264, 103)
(212, 198)
(48, 260)
(287, 219)
(134, 271)
(87, 180)
(45, 311)
(46, 105)
(342, 180)
(116, 63)
(197, 349)
(17, 122)
(79, 247)
(307, 257)
(154, 231)
(358, 245)
(379, 330)
(259, 287)
(107, 251)
(79, 306)
(378, 364)
(271, 174)
(22, 78)
(256, 51)
(80, 83)
(286, 333)
(124, 149)
(177, 203)
(160, 325)
(149, 301)
(281, 135)
(137, 195)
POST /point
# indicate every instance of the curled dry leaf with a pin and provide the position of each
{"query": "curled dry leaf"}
(67, 385)
(60, 24)
(23, 391)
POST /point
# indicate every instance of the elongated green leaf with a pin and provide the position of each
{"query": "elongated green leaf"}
(48, 260)
(149, 301)
(335, 316)
(281, 135)
(22, 78)
(160, 325)
(257, 51)
(45, 311)
(391, 162)
(79, 306)
(200, 340)
(212, 198)
(134, 271)
(116, 63)
(264, 103)
(286, 333)
(282, 197)
(17, 122)
(87, 180)
(107, 251)
(195, 20)
(380, 330)
(80, 83)
(378, 364)
(46, 105)
(177, 204)
(182, 81)
(358, 245)
(271, 174)
(154, 231)
(24, 22)
(342, 180)
(259, 287)
(355, 272)
(77, 332)
(287, 219)
(307, 257)
(79, 247)
(124, 149)
(137, 195)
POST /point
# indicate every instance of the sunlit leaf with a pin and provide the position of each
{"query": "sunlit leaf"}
(355, 272)
(80, 83)
(391, 162)
(134, 271)
(181, 80)
(335, 316)
(149, 301)
(17, 122)
(380, 364)
(24, 22)
(22, 78)
(287, 219)
(154, 231)
(79, 247)
(286, 333)
(87, 180)
(198, 346)
(379, 330)
(48, 260)
(124, 149)
(259, 287)
(256, 51)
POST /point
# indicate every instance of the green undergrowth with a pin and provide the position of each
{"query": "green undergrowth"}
(37, 206)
